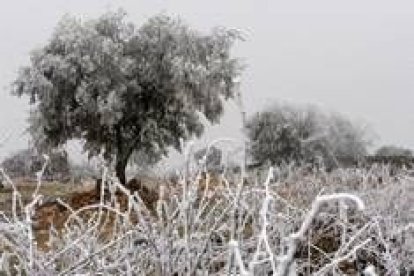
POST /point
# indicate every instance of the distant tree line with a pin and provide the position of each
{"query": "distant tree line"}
(306, 135)
(394, 155)
(27, 162)
(394, 151)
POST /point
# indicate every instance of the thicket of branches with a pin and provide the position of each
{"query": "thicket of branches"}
(289, 221)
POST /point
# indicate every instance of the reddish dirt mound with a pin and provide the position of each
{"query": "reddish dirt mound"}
(53, 213)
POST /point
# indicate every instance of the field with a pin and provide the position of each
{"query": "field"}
(287, 221)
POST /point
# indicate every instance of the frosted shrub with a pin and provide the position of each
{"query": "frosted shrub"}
(290, 223)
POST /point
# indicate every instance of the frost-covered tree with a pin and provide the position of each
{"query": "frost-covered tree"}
(282, 133)
(285, 133)
(27, 162)
(345, 138)
(125, 89)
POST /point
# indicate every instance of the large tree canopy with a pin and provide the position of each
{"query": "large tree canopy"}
(126, 89)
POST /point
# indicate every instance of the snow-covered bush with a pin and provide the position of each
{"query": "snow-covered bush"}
(286, 221)
(25, 163)
(288, 133)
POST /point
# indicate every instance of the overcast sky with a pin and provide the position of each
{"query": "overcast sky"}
(355, 56)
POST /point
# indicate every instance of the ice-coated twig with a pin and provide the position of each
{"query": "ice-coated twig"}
(340, 259)
(263, 236)
(370, 271)
(234, 247)
(40, 174)
(293, 240)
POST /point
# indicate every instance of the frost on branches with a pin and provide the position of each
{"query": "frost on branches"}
(289, 221)
(125, 89)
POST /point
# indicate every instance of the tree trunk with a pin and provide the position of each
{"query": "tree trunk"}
(122, 157)
(120, 168)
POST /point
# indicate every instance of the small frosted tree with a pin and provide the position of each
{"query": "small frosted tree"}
(125, 89)
(286, 133)
(27, 162)
(346, 139)
(282, 133)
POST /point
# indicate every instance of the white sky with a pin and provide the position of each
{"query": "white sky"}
(355, 56)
